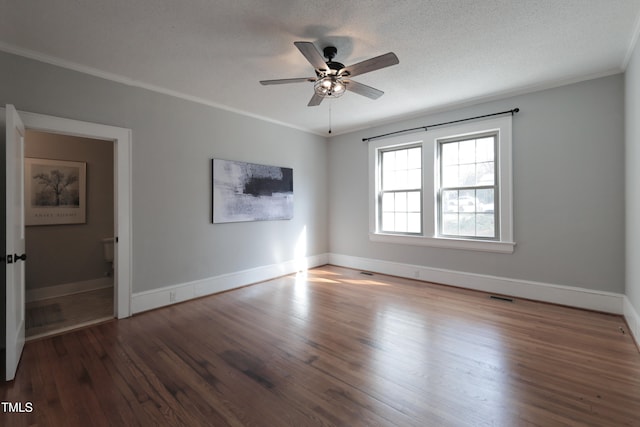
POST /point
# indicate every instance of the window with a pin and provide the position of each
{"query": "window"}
(467, 193)
(401, 190)
(451, 189)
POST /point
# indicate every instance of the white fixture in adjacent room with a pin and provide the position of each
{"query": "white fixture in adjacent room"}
(107, 244)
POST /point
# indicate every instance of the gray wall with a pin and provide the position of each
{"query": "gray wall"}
(61, 254)
(568, 163)
(568, 181)
(632, 156)
(173, 141)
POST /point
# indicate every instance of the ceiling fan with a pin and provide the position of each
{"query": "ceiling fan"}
(333, 78)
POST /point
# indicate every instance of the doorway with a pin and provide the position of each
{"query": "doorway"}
(14, 296)
(121, 138)
(69, 198)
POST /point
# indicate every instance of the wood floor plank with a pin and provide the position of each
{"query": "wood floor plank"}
(336, 348)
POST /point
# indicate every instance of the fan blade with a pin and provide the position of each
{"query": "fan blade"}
(311, 53)
(285, 81)
(364, 90)
(315, 100)
(382, 61)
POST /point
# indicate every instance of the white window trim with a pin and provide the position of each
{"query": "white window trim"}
(429, 158)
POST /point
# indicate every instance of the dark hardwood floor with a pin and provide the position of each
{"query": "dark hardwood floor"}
(337, 348)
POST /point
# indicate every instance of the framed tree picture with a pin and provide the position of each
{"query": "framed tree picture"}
(55, 192)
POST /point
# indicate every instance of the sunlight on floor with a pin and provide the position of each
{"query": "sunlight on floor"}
(321, 280)
(368, 282)
(301, 296)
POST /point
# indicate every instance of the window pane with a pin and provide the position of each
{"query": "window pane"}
(388, 180)
(467, 152)
(388, 161)
(450, 201)
(484, 149)
(401, 159)
(401, 169)
(485, 226)
(485, 174)
(485, 200)
(450, 153)
(413, 202)
(466, 204)
(388, 202)
(401, 202)
(467, 224)
(467, 201)
(401, 223)
(388, 222)
(415, 158)
(467, 175)
(450, 176)
(450, 224)
(414, 178)
(413, 224)
(401, 180)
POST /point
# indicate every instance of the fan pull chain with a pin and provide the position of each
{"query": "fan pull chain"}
(330, 116)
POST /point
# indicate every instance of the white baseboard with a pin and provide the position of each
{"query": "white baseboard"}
(633, 320)
(607, 302)
(156, 298)
(55, 291)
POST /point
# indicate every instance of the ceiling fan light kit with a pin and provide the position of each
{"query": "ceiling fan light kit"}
(333, 79)
(330, 86)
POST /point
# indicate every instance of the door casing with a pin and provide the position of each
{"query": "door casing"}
(121, 138)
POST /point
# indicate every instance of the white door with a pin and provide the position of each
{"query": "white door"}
(15, 251)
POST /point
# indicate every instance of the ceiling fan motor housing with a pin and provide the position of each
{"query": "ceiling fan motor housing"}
(330, 53)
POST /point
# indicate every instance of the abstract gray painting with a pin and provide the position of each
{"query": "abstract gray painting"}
(251, 192)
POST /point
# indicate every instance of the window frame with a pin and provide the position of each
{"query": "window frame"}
(430, 235)
(495, 186)
(381, 191)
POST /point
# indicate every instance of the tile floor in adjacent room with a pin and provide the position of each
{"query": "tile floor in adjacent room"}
(55, 315)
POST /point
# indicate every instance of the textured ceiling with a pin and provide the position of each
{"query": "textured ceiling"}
(450, 51)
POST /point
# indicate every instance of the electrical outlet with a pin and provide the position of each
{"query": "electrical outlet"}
(172, 296)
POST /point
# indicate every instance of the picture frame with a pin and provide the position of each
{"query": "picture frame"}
(55, 192)
(250, 192)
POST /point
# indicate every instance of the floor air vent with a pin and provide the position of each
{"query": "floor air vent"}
(366, 273)
(496, 297)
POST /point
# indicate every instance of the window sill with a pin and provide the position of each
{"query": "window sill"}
(443, 242)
